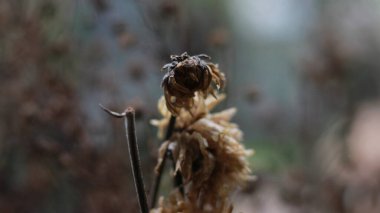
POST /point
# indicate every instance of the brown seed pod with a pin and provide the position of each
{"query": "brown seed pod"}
(187, 75)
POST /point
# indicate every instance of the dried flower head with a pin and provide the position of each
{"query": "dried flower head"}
(186, 117)
(208, 153)
(187, 75)
(176, 203)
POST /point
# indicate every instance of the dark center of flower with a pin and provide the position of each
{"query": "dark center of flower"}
(190, 74)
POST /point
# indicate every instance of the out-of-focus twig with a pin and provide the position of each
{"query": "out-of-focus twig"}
(129, 121)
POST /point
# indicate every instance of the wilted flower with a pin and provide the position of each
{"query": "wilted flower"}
(187, 75)
(187, 117)
(176, 203)
(208, 154)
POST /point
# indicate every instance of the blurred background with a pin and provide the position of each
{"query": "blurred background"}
(304, 76)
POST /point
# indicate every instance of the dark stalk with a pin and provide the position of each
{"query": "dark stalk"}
(129, 122)
(160, 169)
(178, 176)
(171, 126)
(156, 183)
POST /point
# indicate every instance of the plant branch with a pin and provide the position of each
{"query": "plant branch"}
(160, 169)
(157, 181)
(178, 176)
(129, 122)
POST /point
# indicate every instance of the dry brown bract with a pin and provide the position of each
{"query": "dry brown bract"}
(187, 75)
(208, 153)
(175, 204)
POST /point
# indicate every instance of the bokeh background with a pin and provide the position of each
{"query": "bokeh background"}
(304, 76)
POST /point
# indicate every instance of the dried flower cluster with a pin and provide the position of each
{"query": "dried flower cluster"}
(208, 153)
(187, 75)
(175, 203)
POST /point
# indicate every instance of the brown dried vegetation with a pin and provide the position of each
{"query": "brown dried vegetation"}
(186, 75)
(206, 150)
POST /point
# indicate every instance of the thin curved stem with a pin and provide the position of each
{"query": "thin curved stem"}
(160, 169)
(129, 122)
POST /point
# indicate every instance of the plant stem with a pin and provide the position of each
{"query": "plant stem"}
(171, 126)
(157, 180)
(129, 122)
(135, 160)
(169, 153)
(178, 176)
